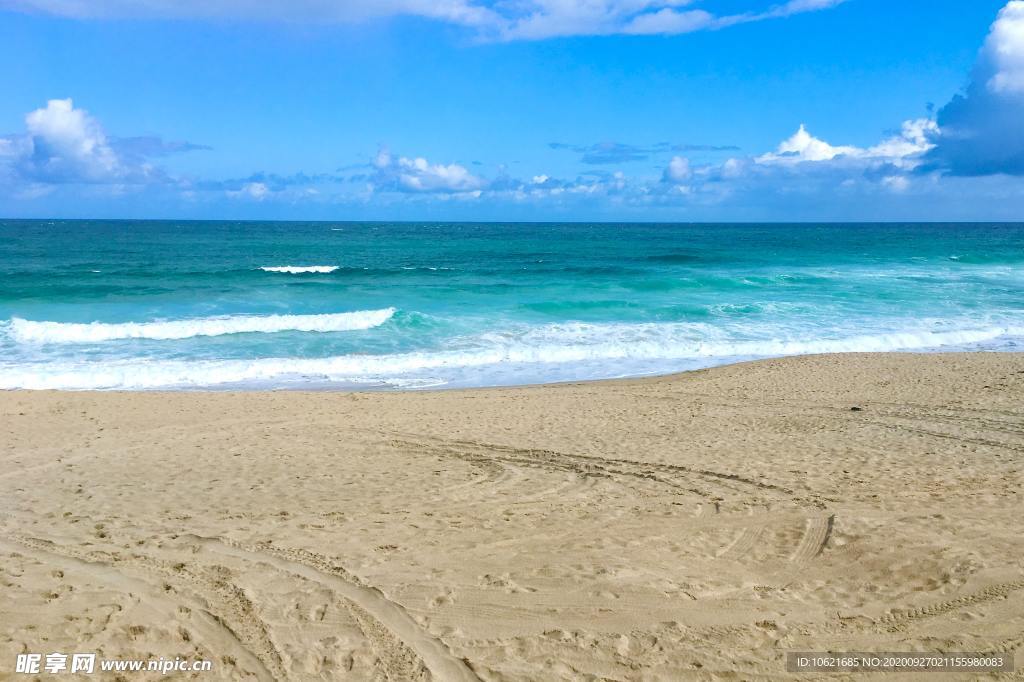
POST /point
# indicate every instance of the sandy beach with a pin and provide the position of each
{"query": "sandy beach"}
(696, 526)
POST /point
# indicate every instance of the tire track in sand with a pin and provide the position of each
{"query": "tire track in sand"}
(744, 542)
(817, 531)
(222, 622)
(682, 478)
(407, 649)
(901, 620)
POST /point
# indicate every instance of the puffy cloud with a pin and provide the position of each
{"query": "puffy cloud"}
(543, 188)
(417, 175)
(981, 131)
(803, 164)
(802, 146)
(903, 150)
(252, 190)
(896, 183)
(517, 20)
(65, 145)
(678, 170)
(915, 138)
(1004, 50)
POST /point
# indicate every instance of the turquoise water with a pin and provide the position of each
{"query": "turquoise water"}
(158, 305)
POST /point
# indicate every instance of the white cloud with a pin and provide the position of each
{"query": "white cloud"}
(798, 6)
(896, 183)
(732, 168)
(678, 170)
(513, 20)
(803, 163)
(67, 144)
(1004, 49)
(421, 176)
(903, 150)
(981, 130)
(404, 174)
(914, 139)
(251, 190)
(63, 144)
(461, 12)
(802, 146)
(667, 21)
(552, 18)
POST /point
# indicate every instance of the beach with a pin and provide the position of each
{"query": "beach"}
(692, 526)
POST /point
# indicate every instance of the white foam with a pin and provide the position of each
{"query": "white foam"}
(29, 331)
(503, 352)
(299, 269)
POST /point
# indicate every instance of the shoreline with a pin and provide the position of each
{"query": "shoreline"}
(698, 524)
(442, 388)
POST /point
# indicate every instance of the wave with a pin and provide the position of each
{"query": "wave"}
(299, 269)
(29, 331)
(559, 345)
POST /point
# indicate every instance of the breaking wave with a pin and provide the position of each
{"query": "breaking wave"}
(299, 269)
(29, 331)
(618, 348)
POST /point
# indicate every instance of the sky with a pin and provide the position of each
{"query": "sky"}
(647, 110)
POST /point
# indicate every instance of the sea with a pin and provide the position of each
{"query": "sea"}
(179, 305)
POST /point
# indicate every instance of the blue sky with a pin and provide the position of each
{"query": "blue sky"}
(676, 110)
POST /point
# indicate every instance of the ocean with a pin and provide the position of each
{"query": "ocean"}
(98, 304)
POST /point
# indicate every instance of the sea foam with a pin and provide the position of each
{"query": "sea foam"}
(300, 269)
(30, 331)
(620, 346)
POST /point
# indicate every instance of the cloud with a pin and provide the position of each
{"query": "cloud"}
(802, 146)
(252, 190)
(607, 152)
(981, 131)
(673, 22)
(1004, 50)
(669, 22)
(678, 170)
(799, 6)
(803, 165)
(260, 185)
(65, 145)
(461, 12)
(618, 152)
(514, 20)
(417, 175)
(556, 18)
(896, 183)
(149, 146)
(902, 150)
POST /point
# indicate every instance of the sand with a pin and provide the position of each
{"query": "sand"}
(696, 526)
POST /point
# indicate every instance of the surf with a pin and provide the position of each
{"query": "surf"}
(44, 332)
(300, 269)
(619, 350)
